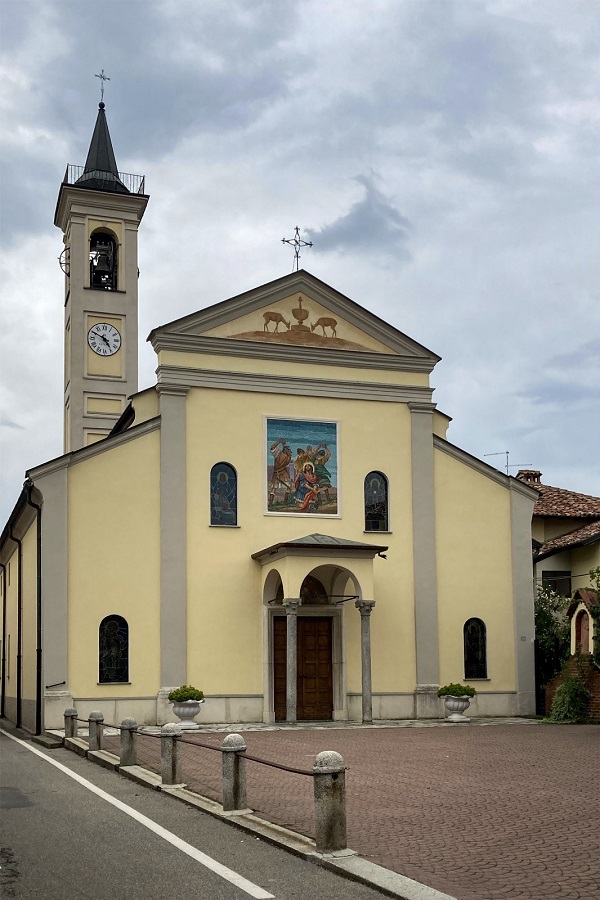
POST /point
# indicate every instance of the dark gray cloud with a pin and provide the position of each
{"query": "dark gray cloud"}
(372, 224)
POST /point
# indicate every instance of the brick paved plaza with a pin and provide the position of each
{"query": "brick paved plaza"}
(479, 812)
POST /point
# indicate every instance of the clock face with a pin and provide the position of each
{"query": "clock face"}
(104, 339)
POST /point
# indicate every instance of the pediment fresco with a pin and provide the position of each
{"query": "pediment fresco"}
(302, 321)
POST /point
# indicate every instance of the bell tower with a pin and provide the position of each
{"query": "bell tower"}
(99, 210)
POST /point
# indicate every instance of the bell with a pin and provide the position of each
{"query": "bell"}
(103, 258)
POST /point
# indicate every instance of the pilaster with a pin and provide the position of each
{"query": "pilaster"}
(424, 550)
(173, 537)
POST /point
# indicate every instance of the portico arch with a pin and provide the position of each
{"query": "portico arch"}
(310, 588)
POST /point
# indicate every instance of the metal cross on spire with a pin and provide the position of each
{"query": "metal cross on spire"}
(296, 242)
(102, 78)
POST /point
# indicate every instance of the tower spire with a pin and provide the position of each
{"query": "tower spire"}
(100, 171)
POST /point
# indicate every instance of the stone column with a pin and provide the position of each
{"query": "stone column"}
(365, 607)
(169, 754)
(96, 724)
(329, 779)
(128, 754)
(234, 773)
(71, 722)
(291, 674)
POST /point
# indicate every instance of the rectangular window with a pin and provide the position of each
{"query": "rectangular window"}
(559, 582)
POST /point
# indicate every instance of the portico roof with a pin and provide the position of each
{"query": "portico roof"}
(322, 544)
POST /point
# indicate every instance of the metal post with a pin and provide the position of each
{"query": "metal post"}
(329, 774)
(365, 607)
(234, 773)
(96, 722)
(169, 754)
(128, 754)
(71, 722)
(291, 673)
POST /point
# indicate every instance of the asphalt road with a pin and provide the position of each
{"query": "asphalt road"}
(60, 837)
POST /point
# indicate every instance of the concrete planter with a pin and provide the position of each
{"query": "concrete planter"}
(456, 706)
(186, 711)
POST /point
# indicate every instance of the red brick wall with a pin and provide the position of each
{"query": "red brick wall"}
(591, 675)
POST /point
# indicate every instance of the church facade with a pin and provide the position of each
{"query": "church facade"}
(280, 520)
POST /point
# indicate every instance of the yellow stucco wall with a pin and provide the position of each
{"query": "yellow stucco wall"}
(225, 598)
(29, 611)
(473, 570)
(582, 560)
(114, 555)
(284, 368)
(145, 405)
(12, 580)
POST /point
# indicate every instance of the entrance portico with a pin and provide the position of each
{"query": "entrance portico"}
(310, 588)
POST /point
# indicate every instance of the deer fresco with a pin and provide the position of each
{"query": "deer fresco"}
(275, 317)
(325, 323)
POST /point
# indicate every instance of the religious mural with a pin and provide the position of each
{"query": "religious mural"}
(310, 330)
(302, 467)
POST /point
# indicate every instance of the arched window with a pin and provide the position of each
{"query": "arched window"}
(103, 261)
(475, 649)
(223, 495)
(113, 650)
(376, 502)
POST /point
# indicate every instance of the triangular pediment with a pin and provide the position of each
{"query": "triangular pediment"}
(296, 311)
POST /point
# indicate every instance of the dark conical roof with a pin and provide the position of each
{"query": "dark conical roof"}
(100, 171)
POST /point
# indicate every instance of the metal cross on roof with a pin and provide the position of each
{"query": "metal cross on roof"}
(296, 242)
(102, 78)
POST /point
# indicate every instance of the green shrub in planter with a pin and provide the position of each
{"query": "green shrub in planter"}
(570, 702)
(185, 692)
(456, 690)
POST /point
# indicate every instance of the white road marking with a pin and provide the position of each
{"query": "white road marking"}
(253, 890)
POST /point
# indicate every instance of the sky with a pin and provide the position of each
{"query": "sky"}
(442, 155)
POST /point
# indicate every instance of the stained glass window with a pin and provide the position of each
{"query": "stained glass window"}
(376, 502)
(475, 649)
(113, 661)
(223, 495)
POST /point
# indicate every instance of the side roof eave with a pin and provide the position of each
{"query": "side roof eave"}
(507, 481)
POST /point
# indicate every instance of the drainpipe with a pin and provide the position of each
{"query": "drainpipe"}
(38, 611)
(3, 696)
(19, 544)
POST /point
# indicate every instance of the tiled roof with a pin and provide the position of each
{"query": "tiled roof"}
(587, 534)
(558, 502)
(586, 596)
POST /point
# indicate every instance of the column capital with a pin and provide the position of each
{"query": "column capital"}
(365, 607)
(291, 607)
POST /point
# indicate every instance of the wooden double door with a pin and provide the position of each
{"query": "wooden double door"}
(314, 681)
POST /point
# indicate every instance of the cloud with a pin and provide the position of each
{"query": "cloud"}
(372, 224)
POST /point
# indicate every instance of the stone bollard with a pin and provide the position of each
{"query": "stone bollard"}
(169, 754)
(71, 722)
(128, 755)
(96, 723)
(234, 773)
(330, 801)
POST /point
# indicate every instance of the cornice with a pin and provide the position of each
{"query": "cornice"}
(70, 197)
(278, 384)
(108, 443)
(232, 347)
(422, 408)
